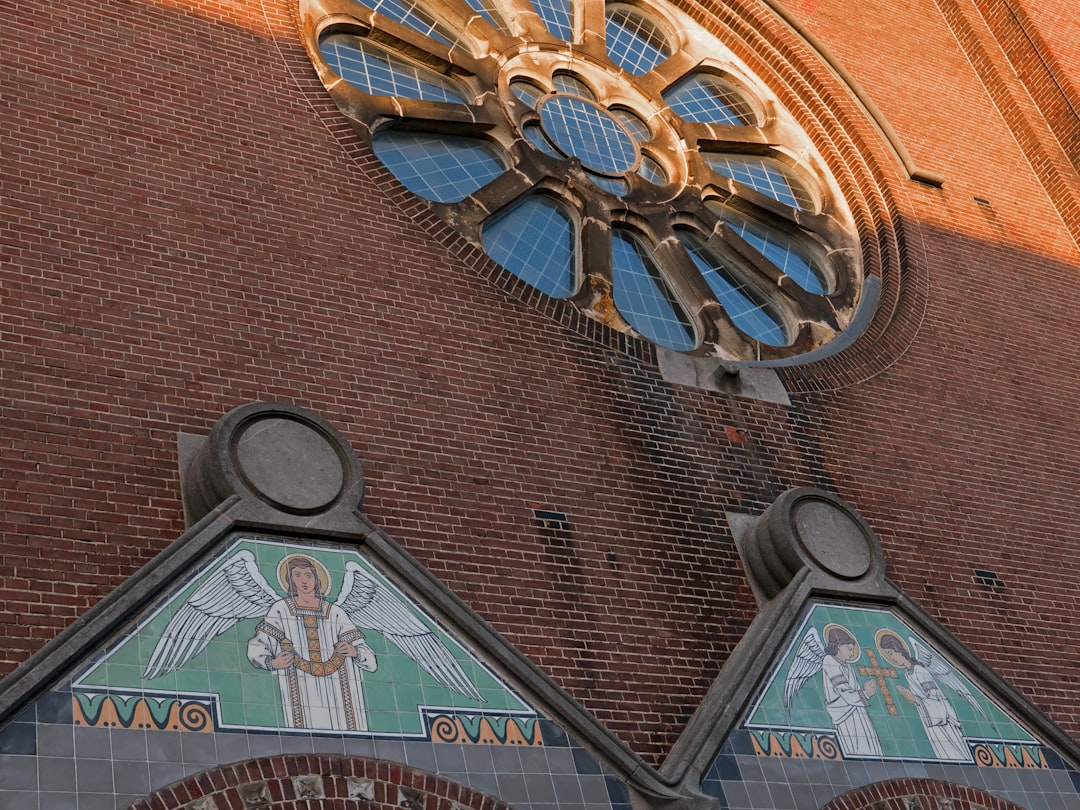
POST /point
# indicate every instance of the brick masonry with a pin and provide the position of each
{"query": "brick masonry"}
(918, 794)
(322, 782)
(186, 227)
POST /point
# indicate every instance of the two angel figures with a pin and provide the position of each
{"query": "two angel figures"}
(848, 701)
(315, 647)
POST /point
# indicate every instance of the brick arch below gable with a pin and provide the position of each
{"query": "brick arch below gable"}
(918, 794)
(313, 782)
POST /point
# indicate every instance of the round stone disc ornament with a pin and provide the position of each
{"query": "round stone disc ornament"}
(289, 463)
(810, 528)
(833, 538)
(278, 455)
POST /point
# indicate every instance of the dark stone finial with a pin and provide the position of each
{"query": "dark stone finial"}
(808, 527)
(281, 455)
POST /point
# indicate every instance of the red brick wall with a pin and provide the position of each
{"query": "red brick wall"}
(182, 232)
(318, 783)
(918, 794)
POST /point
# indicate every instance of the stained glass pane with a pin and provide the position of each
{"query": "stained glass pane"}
(778, 249)
(586, 131)
(527, 92)
(572, 86)
(486, 9)
(369, 68)
(766, 175)
(557, 16)
(412, 14)
(752, 318)
(438, 167)
(613, 185)
(652, 171)
(637, 128)
(535, 136)
(534, 240)
(707, 99)
(644, 298)
(634, 42)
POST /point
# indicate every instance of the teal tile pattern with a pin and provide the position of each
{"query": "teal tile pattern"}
(113, 735)
(799, 745)
(200, 657)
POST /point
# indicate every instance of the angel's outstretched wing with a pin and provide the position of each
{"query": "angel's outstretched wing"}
(943, 673)
(807, 663)
(372, 606)
(235, 591)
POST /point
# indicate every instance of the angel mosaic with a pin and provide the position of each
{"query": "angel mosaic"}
(923, 672)
(846, 700)
(315, 647)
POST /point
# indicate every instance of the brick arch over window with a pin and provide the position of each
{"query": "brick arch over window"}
(317, 783)
(918, 794)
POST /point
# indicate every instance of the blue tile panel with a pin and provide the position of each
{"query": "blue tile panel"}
(708, 99)
(765, 175)
(71, 766)
(414, 16)
(557, 16)
(740, 778)
(736, 298)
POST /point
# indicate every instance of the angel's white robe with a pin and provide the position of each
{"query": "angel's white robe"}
(937, 715)
(847, 706)
(321, 689)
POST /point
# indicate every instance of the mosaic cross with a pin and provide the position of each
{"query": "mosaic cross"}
(880, 674)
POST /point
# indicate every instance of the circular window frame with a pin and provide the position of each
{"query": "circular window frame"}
(843, 265)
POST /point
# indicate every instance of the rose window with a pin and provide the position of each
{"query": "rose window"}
(618, 157)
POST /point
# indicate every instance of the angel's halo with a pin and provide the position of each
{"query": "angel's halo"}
(885, 632)
(834, 626)
(321, 571)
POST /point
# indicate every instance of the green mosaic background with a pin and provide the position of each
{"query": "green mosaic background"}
(250, 697)
(901, 735)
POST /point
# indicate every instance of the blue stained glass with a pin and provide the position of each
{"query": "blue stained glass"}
(644, 298)
(438, 167)
(637, 128)
(781, 251)
(535, 241)
(527, 92)
(572, 86)
(652, 171)
(706, 99)
(751, 318)
(763, 174)
(614, 185)
(535, 136)
(413, 15)
(369, 68)
(557, 16)
(634, 42)
(584, 130)
(486, 9)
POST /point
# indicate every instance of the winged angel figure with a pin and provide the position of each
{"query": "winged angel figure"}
(924, 673)
(313, 645)
(846, 701)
